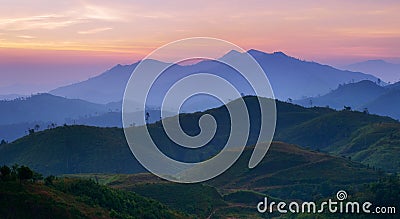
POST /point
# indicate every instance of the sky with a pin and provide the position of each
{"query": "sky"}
(46, 44)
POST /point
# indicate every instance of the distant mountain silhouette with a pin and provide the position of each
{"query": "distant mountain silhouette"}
(290, 78)
(46, 110)
(354, 95)
(361, 96)
(385, 70)
(105, 88)
(388, 104)
(294, 78)
(46, 107)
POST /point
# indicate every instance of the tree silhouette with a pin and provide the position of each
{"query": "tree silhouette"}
(37, 127)
(14, 169)
(347, 108)
(31, 131)
(5, 172)
(49, 180)
(147, 117)
(24, 173)
(3, 142)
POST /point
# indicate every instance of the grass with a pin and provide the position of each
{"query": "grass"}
(76, 198)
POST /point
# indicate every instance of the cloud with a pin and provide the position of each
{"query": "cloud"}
(95, 30)
(26, 37)
(99, 13)
(47, 21)
(66, 18)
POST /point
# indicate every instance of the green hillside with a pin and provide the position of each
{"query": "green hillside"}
(376, 145)
(76, 198)
(287, 172)
(82, 149)
(370, 139)
(72, 149)
(282, 173)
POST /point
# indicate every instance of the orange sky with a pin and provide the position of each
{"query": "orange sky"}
(103, 33)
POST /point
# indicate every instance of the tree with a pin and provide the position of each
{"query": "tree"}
(147, 117)
(49, 180)
(5, 172)
(14, 169)
(24, 173)
(289, 100)
(37, 127)
(37, 176)
(3, 142)
(31, 131)
(51, 126)
(347, 108)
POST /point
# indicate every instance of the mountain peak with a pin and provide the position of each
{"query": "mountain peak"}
(231, 54)
(279, 53)
(255, 52)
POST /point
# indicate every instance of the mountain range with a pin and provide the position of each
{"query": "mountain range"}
(289, 77)
(98, 100)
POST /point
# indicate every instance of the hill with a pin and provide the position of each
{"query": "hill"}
(394, 86)
(79, 149)
(289, 77)
(42, 111)
(385, 70)
(72, 149)
(75, 198)
(387, 104)
(45, 108)
(355, 95)
(364, 95)
(12, 132)
(291, 172)
(287, 172)
(344, 129)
